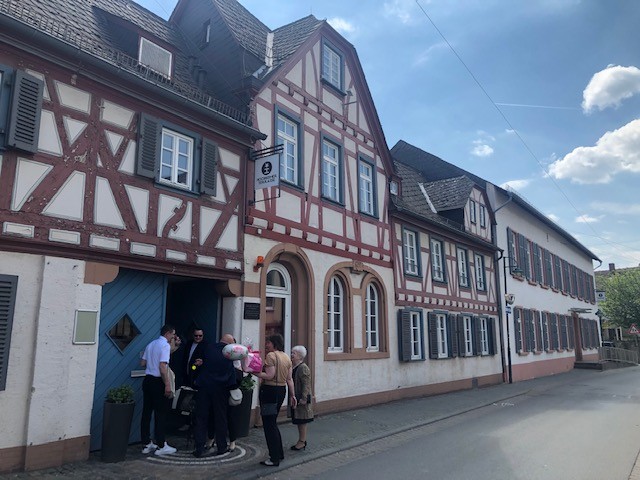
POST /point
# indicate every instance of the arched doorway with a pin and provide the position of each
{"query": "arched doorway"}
(278, 303)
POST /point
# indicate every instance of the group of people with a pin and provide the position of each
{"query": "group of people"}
(213, 376)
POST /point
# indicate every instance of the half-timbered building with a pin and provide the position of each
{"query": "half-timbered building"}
(545, 292)
(445, 280)
(318, 245)
(122, 200)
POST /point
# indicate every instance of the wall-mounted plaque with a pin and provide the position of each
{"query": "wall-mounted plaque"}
(251, 311)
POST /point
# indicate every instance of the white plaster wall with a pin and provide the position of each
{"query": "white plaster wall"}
(46, 371)
(534, 296)
(370, 375)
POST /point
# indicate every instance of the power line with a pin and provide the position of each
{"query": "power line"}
(506, 120)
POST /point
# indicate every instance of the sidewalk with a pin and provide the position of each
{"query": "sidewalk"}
(327, 435)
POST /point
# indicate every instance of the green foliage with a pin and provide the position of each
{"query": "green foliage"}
(247, 383)
(622, 304)
(121, 394)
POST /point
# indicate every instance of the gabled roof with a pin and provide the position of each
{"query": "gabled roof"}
(86, 27)
(413, 202)
(249, 32)
(288, 38)
(432, 167)
(450, 193)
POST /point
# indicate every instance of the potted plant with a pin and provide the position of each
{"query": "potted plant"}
(116, 423)
(242, 413)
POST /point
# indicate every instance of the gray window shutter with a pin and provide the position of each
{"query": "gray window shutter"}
(477, 336)
(433, 335)
(462, 348)
(537, 318)
(209, 167)
(8, 287)
(452, 335)
(404, 335)
(491, 335)
(24, 117)
(517, 330)
(149, 143)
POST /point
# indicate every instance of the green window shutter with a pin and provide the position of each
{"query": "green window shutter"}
(452, 335)
(209, 167)
(433, 335)
(404, 335)
(8, 287)
(26, 107)
(149, 144)
(477, 335)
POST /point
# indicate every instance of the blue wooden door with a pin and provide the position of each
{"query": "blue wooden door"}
(140, 296)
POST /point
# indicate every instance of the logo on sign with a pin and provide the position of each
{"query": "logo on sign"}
(267, 172)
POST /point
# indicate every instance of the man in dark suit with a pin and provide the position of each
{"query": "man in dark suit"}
(193, 355)
(213, 384)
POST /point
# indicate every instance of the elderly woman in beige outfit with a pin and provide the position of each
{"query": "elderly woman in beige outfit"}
(302, 414)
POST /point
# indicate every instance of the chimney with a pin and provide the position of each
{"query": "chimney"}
(612, 267)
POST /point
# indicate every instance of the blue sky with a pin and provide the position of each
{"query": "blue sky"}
(542, 95)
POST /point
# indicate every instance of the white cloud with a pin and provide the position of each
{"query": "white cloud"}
(587, 219)
(615, 152)
(554, 217)
(341, 25)
(617, 208)
(482, 150)
(515, 185)
(610, 86)
(403, 10)
(424, 56)
(510, 131)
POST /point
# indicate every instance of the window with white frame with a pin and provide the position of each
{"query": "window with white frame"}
(480, 276)
(330, 171)
(366, 187)
(484, 336)
(437, 261)
(411, 332)
(416, 335)
(372, 317)
(172, 156)
(176, 159)
(410, 248)
(483, 216)
(332, 66)
(463, 268)
(441, 335)
(467, 331)
(288, 138)
(472, 211)
(335, 316)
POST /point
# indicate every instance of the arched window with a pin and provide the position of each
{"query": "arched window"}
(372, 316)
(335, 315)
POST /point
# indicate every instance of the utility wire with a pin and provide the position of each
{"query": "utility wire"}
(506, 120)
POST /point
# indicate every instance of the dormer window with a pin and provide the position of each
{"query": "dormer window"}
(155, 57)
(393, 187)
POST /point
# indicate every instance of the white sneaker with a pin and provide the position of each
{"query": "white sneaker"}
(150, 447)
(166, 450)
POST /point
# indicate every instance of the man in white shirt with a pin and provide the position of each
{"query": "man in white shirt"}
(157, 392)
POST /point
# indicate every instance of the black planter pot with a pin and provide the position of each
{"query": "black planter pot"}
(240, 415)
(116, 426)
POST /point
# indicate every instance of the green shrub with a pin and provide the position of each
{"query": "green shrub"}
(121, 394)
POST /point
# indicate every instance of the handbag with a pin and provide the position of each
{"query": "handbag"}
(267, 409)
(235, 397)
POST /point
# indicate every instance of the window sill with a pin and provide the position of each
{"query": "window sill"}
(332, 87)
(357, 354)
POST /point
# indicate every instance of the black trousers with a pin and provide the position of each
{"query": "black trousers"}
(154, 402)
(272, 394)
(211, 401)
